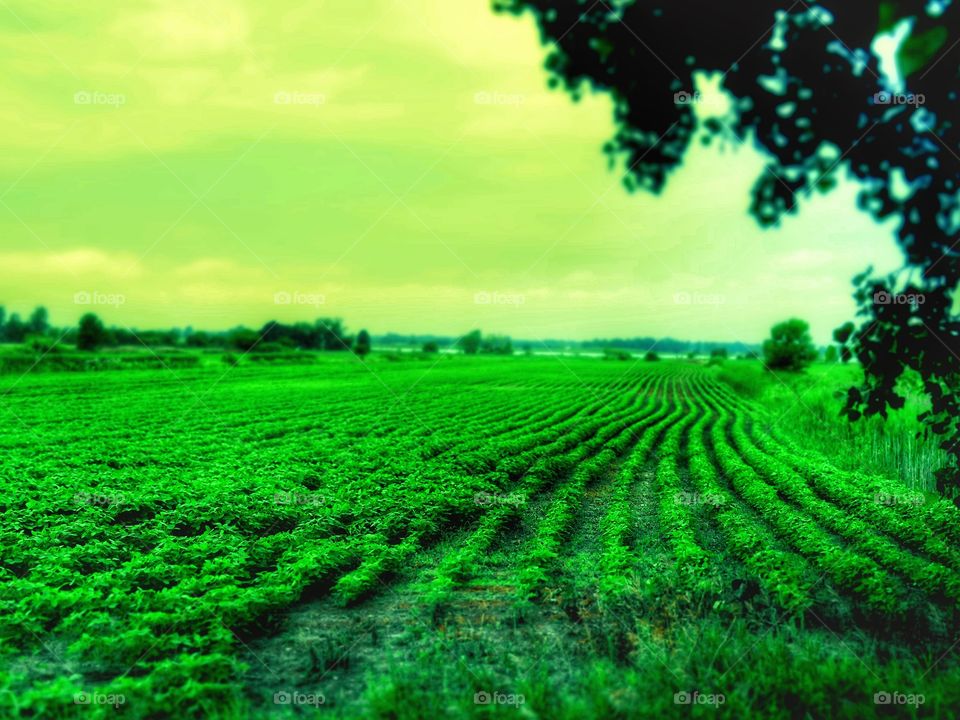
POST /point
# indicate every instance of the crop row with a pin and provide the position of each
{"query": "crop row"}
(861, 577)
(783, 574)
(545, 546)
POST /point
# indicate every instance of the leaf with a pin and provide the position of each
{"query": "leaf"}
(917, 51)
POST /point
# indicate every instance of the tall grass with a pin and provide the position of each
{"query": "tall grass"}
(807, 405)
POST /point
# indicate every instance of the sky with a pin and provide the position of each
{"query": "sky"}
(397, 163)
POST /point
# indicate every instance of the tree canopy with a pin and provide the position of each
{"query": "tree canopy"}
(789, 346)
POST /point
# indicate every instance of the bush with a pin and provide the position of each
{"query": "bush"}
(789, 346)
(616, 354)
(362, 345)
(91, 333)
(272, 347)
(42, 344)
(651, 356)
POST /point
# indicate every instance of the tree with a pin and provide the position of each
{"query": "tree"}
(361, 345)
(3, 323)
(332, 335)
(810, 92)
(245, 339)
(496, 345)
(831, 354)
(790, 346)
(199, 339)
(430, 347)
(470, 343)
(15, 330)
(39, 321)
(651, 356)
(91, 333)
(323, 334)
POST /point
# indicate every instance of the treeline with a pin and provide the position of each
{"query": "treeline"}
(324, 334)
(669, 346)
(91, 333)
(14, 329)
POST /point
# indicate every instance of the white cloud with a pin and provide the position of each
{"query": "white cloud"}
(187, 28)
(79, 262)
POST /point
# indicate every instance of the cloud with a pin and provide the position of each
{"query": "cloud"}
(186, 28)
(205, 268)
(78, 262)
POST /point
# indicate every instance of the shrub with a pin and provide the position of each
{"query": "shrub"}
(789, 346)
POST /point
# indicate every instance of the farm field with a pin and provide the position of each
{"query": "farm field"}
(456, 537)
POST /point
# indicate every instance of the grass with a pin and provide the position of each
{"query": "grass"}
(809, 404)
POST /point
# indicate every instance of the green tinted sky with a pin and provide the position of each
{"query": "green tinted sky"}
(419, 161)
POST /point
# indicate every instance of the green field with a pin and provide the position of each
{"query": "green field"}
(458, 537)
